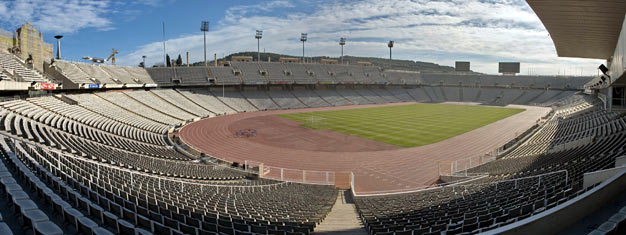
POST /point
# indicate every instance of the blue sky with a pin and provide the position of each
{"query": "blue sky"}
(443, 31)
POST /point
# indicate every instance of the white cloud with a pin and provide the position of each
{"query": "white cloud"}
(483, 32)
(59, 16)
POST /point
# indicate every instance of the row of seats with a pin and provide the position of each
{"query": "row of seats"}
(248, 101)
(12, 65)
(133, 123)
(123, 202)
(39, 210)
(235, 73)
(82, 73)
(111, 149)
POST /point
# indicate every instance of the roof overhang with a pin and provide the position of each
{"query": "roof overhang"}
(582, 28)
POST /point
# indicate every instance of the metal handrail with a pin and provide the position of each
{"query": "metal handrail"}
(99, 164)
(462, 183)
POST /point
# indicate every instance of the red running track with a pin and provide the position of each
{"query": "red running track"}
(389, 169)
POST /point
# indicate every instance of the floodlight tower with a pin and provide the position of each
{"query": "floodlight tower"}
(342, 42)
(58, 37)
(390, 45)
(303, 38)
(204, 27)
(258, 36)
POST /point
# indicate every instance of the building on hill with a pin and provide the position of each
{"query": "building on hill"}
(27, 42)
(288, 60)
(241, 58)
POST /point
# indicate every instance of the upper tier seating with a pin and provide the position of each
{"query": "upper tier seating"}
(300, 73)
(121, 74)
(373, 74)
(97, 73)
(277, 73)
(139, 74)
(234, 73)
(82, 73)
(251, 72)
(192, 75)
(225, 75)
(321, 73)
(16, 67)
(162, 76)
(72, 72)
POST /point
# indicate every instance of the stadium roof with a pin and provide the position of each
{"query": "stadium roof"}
(582, 28)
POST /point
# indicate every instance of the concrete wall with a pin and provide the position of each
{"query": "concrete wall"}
(342, 180)
(12, 85)
(618, 65)
(620, 161)
(6, 41)
(591, 178)
(30, 42)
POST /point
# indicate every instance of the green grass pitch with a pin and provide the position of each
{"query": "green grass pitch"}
(405, 125)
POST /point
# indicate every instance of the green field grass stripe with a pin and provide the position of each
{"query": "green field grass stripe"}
(405, 125)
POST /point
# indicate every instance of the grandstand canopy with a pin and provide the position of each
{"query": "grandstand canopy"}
(582, 28)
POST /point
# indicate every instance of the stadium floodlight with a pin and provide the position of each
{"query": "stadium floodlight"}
(204, 27)
(303, 38)
(342, 42)
(58, 37)
(258, 36)
(390, 45)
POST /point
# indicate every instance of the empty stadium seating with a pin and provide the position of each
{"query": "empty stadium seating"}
(14, 66)
(122, 202)
(102, 163)
(82, 73)
(522, 183)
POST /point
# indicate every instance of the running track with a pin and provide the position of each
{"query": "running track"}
(375, 171)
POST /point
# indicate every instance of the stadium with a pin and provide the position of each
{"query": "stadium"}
(246, 145)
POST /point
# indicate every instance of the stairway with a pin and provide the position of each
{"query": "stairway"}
(343, 218)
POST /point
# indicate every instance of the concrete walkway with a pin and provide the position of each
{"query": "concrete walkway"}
(343, 218)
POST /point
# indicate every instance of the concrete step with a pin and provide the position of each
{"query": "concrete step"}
(343, 218)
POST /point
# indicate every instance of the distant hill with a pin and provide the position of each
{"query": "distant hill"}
(410, 65)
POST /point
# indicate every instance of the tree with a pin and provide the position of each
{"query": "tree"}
(168, 61)
(141, 64)
(179, 61)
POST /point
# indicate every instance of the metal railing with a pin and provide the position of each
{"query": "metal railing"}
(290, 175)
(462, 183)
(61, 167)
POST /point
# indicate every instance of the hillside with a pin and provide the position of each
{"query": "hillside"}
(381, 62)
